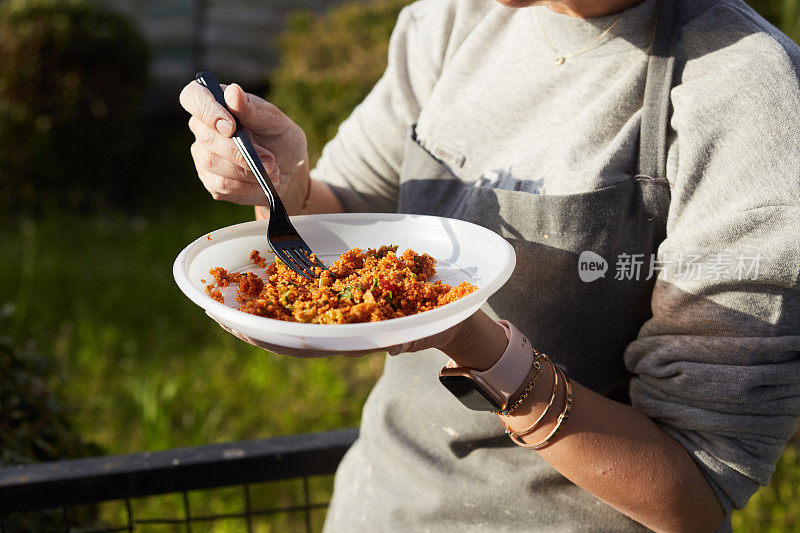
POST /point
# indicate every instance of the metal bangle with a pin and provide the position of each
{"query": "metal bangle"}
(536, 368)
(562, 419)
(533, 426)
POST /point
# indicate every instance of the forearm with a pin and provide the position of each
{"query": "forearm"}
(621, 456)
(609, 449)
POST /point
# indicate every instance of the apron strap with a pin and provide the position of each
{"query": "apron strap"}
(656, 106)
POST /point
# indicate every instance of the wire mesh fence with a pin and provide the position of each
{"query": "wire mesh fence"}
(280, 484)
(180, 515)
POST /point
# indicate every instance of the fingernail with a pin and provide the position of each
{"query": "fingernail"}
(246, 97)
(225, 127)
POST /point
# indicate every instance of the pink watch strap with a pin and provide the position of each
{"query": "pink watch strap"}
(509, 372)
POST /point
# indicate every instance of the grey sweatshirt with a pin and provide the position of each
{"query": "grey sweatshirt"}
(718, 364)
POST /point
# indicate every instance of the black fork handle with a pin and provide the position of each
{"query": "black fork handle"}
(278, 214)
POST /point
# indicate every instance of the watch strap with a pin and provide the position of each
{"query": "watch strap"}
(512, 371)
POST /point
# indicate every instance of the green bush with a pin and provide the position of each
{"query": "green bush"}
(785, 14)
(330, 63)
(34, 419)
(790, 19)
(771, 10)
(71, 80)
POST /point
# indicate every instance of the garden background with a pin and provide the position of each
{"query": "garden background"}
(99, 351)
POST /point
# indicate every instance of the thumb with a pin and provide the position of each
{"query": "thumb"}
(254, 113)
(437, 340)
(433, 341)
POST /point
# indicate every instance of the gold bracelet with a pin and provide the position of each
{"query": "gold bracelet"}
(562, 419)
(536, 368)
(533, 426)
(308, 196)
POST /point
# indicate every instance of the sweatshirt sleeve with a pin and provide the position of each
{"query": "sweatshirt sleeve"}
(362, 162)
(718, 364)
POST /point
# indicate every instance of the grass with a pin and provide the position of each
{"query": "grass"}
(144, 368)
(147, 367)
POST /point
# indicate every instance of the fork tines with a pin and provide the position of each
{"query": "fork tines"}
(298, 256)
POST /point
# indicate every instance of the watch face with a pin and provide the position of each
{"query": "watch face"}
(469, 393)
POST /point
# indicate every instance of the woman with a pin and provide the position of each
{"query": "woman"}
(660, 136)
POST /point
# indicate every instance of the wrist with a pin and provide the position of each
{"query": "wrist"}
(503, 386)
(320, 198)
(476, 343)
(307, 196)
(545, 428)
(535, 404)
(298, 190)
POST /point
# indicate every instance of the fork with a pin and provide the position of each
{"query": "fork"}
(282, 236)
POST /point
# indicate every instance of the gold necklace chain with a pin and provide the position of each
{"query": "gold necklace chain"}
(561, 59)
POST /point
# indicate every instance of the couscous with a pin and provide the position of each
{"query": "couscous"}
(360, 287)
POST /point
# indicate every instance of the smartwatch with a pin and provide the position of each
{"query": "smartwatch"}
(498, 387)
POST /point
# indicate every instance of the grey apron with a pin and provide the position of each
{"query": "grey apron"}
(423, 462)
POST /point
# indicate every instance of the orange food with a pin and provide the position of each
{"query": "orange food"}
(360, 287)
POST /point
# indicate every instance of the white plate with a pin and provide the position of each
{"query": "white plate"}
(463, 252)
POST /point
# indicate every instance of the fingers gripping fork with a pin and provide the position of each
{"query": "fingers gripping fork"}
(282, 236)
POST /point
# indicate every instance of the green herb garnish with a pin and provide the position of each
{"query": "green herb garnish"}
(347, 293)
(384, 250)
(388, 297)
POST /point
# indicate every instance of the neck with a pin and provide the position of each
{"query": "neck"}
(590, 8)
